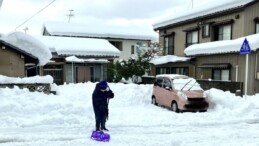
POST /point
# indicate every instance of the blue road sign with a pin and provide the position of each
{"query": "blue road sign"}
(245, 48)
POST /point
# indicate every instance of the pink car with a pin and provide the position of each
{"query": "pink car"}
(179, 93)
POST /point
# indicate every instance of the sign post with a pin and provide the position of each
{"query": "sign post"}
(245, 50)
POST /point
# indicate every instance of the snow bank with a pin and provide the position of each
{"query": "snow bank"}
(29, 80)
(72, 106)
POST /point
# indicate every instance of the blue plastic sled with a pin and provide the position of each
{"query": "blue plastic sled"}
(100, 136)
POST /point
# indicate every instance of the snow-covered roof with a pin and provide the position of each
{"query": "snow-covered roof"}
(220, 6)
(220, 47)
(101, 31)
(157, 60)
(29, 44)
(78, 60)
(70, 46)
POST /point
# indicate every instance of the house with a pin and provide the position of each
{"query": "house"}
(21, 54)
(215, 23)
(127, 39)
(76, 59)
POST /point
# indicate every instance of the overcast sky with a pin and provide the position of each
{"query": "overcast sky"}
(116, 12)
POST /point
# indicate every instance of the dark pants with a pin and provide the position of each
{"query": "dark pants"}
(100, 118)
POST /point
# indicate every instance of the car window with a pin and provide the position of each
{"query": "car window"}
(186, 84)
(159, 82)
(167, 84)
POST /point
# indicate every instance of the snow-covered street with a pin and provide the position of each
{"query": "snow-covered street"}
(37, 119)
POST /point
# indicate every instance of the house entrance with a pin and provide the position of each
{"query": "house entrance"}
(83, 74)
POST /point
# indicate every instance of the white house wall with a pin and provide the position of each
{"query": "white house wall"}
(126, 48)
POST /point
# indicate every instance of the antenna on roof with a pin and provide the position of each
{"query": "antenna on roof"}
(70, 14)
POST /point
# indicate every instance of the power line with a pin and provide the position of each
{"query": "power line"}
(34, 15)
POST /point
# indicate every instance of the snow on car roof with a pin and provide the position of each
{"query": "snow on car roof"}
(182, 82)
(172, 76)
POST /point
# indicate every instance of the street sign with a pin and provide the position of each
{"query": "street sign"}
(245, 48)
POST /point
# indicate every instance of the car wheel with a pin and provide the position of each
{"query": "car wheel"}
(154, 100)
(174, 107)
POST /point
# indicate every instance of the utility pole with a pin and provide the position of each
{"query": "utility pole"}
(192, 3)
(26, 29)
(70, 14)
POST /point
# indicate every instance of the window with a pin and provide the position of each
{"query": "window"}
(117, 44)
(223, 32)
(162, 70)
(169, 45)
(180, 70)
(159, 82)
(222, 75)
(132, 49)
(257, 27)
(172, 70)
(191, 38)
(205, 30)
(167, 84)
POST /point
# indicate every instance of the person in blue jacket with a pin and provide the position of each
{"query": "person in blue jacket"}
(100, 98)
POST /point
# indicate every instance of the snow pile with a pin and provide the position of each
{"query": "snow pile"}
(226, 46)
(27, 80)
(30, 45)
(158, 60)
(73, 106)
(33, 118)
(220, 100)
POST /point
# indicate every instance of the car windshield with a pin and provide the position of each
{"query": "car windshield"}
(186, 84)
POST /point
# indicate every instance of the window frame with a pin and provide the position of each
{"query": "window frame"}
(132, 49)
(203, 28)
(187, 44)
(220, 75)
(217, 32)
(169, 49)
(256, 27)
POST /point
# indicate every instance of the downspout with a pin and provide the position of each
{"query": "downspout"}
(256, 65)
(236, 73)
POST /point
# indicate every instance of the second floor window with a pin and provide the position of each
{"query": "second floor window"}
(205, 30)
(132, 49)
(191, 38)
(169, 45)
(223, 32)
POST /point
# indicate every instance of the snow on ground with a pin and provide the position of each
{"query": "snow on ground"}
(36, 119)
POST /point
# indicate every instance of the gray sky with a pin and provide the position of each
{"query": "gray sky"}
(115, 12)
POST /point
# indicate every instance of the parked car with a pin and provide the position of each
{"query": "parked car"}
(179, 93)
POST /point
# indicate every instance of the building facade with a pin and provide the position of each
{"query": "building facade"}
(217, 23)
